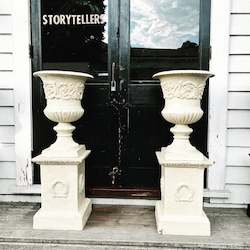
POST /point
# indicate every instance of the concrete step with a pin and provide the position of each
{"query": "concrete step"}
(119, 228)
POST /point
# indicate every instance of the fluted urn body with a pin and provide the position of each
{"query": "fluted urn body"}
(182, 91)
(63, 92)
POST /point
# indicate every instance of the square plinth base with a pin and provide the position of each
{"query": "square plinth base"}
(63, 220)
(181, 224)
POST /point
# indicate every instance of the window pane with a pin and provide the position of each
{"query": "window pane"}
(164, 35)
(74, 35)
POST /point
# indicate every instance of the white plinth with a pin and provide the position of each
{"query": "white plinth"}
(64, 205)
(179, 212)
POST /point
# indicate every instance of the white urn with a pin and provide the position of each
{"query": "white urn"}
(63, 92)
(182, 91)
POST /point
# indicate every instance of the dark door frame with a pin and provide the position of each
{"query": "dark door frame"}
(118, 52)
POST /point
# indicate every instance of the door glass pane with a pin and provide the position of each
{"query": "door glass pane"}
(75, 35)
(164, 35)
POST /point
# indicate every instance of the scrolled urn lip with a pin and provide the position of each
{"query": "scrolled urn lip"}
(182, 72)
(61, 72)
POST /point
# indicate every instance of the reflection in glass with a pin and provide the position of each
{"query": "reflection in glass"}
(164, 35)
(74, 35)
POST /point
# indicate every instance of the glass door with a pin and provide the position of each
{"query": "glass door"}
(162, 35)
(122, 43)
(79, 35)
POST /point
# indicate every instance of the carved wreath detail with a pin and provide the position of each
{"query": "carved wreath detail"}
(66, 91)
(182, 89)
(184, 193)
(59, 189)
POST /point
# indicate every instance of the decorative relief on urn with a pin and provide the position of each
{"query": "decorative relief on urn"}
(184, 193)
(184, 89)
(60, 90)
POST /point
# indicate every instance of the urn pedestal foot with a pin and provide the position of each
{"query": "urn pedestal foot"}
(74, 220)
(181, 224)
(64, 205)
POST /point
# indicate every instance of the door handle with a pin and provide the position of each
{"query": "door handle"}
(113, 81)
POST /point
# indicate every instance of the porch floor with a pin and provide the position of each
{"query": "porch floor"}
(120, 227)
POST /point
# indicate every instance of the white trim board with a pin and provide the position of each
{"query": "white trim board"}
(218, 91)
(22, 92)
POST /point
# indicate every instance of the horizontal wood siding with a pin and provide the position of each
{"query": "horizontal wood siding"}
(6, 7)
(240, 6)
(238, 138)
(8, 170)
(7, 121)
(238, 156)
(240, 24)
(5, 24)
(6, 43)
(238, 119)
(239, 82)
(7, 152)
(238, 175)
(238, 132)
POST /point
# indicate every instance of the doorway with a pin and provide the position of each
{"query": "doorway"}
(122, 43)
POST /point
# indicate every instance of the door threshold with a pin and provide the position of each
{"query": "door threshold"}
(123, 201)
(128, 193)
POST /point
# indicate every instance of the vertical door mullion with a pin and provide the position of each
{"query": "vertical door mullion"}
(205, 9)
(124, 46)
(124, 74)
(37, 100)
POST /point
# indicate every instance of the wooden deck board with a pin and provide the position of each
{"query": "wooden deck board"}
(115, 227)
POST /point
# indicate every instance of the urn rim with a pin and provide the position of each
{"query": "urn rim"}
(182, 72)
(61, 72)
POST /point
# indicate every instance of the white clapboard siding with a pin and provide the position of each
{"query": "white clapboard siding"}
(239, 81)
(7, 134)
(240, 194)
(7, 116)
(8, 170)
(6, 97)
(6, 43)
(240, 6)
(6, 79)
(237, 156)
(238, 138)
(7, 152)
(239, 100)
(239, 45)
(240, 24)
(238, 175)
(6, 61)
(6, 184)
(238, 119)
(6, 6)
(5, 24)
(239, 63)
